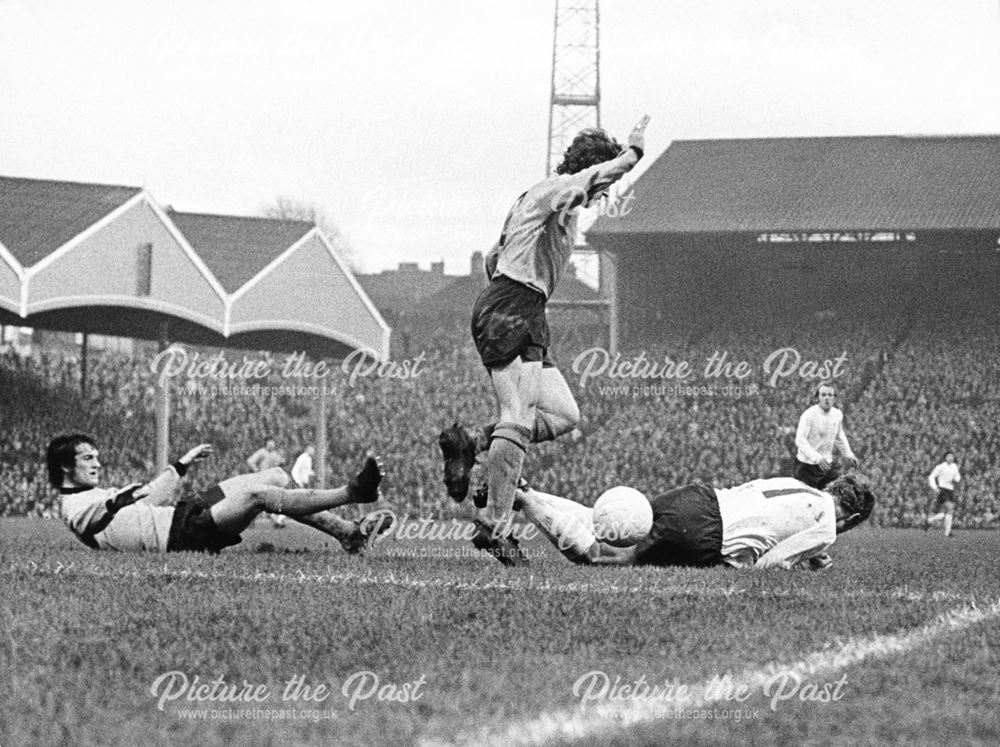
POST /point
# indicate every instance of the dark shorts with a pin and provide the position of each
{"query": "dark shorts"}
(194, 529)
(813, 476)
(687, 529)
(944, 496)
(508, 321)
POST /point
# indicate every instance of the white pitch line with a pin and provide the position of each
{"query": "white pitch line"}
(601, 720)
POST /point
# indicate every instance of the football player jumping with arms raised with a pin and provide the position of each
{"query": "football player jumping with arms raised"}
(509, 327)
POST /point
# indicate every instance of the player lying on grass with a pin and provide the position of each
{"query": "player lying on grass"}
(148, 517)
(773, 523)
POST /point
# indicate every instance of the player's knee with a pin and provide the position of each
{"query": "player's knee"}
(276, 476)
(571, 415)
(261, 497)
(508, 432)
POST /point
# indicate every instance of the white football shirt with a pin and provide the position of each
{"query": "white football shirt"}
(775, 522)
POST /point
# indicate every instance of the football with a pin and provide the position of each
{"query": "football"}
(622, 516)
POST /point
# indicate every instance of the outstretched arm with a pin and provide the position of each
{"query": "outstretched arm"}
(162, 490)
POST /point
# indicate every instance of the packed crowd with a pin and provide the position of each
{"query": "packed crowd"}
(910, 391)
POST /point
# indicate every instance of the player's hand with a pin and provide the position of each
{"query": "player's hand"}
(197, 454)
(821, 561)
(637, 137)
(824, 464)
(853, 461)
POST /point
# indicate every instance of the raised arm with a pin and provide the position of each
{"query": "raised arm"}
(162, 490)
(590, 183)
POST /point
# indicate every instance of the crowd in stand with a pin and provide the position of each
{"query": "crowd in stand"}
(909, 392)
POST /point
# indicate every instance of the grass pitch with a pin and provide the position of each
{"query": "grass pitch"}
(420, 642)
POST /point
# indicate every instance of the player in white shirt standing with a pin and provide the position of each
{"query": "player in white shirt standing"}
(776, 522)
(302, 470)
(820, 432)
(145, 518)
(943, 480)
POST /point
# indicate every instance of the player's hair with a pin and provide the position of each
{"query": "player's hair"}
(61, 454)
(855, 497)
(590, 147)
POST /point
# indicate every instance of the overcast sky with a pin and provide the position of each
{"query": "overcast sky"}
(414, 124)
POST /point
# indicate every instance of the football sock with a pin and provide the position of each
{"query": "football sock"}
(935, 518)
(506, 457)
(303, 501)
(329, 523)
(948, 518)
(566, 523)
(545, 428)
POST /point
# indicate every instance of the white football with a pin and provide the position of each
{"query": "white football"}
(622, 516)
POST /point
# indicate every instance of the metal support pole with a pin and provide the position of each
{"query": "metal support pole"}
(161, 404)
(84, 340)
(320, 415)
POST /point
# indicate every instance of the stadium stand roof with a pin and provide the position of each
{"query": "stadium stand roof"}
(109, 260)
(817, 184)
(37, 216)
(238, 248)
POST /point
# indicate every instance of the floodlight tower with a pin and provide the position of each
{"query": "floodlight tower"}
(575, 104)
(575, 100)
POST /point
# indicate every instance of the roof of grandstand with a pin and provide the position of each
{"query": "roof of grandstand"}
(109, 260)
(37, 216)
(237, 248)
(817, 184)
